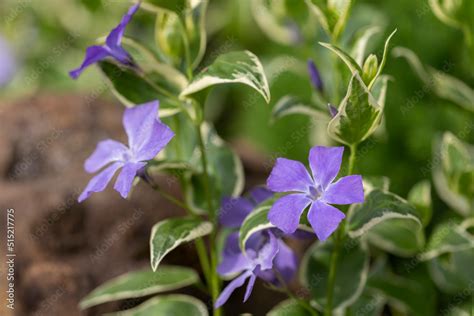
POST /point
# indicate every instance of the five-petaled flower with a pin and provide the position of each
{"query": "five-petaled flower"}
(112, 47)
(147, 136)
(316, 191)
(266, 253)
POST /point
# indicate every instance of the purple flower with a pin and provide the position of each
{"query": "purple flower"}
(111, 48)
(316, 191)
(264, 252)
(315, 76)
(234, 210)
(146, 137)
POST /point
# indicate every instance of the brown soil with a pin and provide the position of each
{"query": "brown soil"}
(65, 249)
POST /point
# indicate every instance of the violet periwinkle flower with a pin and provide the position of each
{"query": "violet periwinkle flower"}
(234, 210)
(266, 254)
(316, 191)
(112, 47)
(315, 76)
(147, 136)
(7, 63)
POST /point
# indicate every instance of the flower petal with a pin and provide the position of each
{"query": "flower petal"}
(324, 219)
(260, 194)
(115, 37)
(106, 152)
(93, 54)
(267, 253)
(250, 285)
(325, 163)
(139, 122)
(125, 179)
(286, 212)
(286, 262)
(289, 175)
(233, 260)
(100, 181)
(346, 190)
(234, 210)
(315, 76)
(159, 137)
(236, 283)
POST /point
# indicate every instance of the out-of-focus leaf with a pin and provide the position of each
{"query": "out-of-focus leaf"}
(331, 14)
(141, 283)
(288, 307)
(169, 38)
(275, 26)
(389, 222)
(410, 296)
(132, 88)
(442, 84)
(358, 114)
(360, 46)
(352, 270)
(289, 105)
(175, 6)
(225, 170)
(346, 58)
(169, 305)
(194, 24)
(170, 233)
(420, 197)
(453, 173)
(383, 61)
(234, 67)
(450, 256)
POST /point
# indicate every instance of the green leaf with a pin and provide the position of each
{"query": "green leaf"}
(194, 23)
(159, 73)
(370, 68)
(360, 46)
(442, 84)
(449, 237)
(384, 59)
(140, 283)
(346, 58)
(289, 105)
(270, 24)
(288, 307)
(170, 233)
(131, 88)
(352, 271)
(169, 305)
(234, 67)
(408, 295)
(175, 6)
(169, 38)
(368, 304)
(331, 14)
(225, 170)
(420, 197)
(358, 114)
(257, 221)
(387, 221)
(453, 173)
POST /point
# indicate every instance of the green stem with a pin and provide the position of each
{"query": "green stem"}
(337, 245)
(215, 284)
